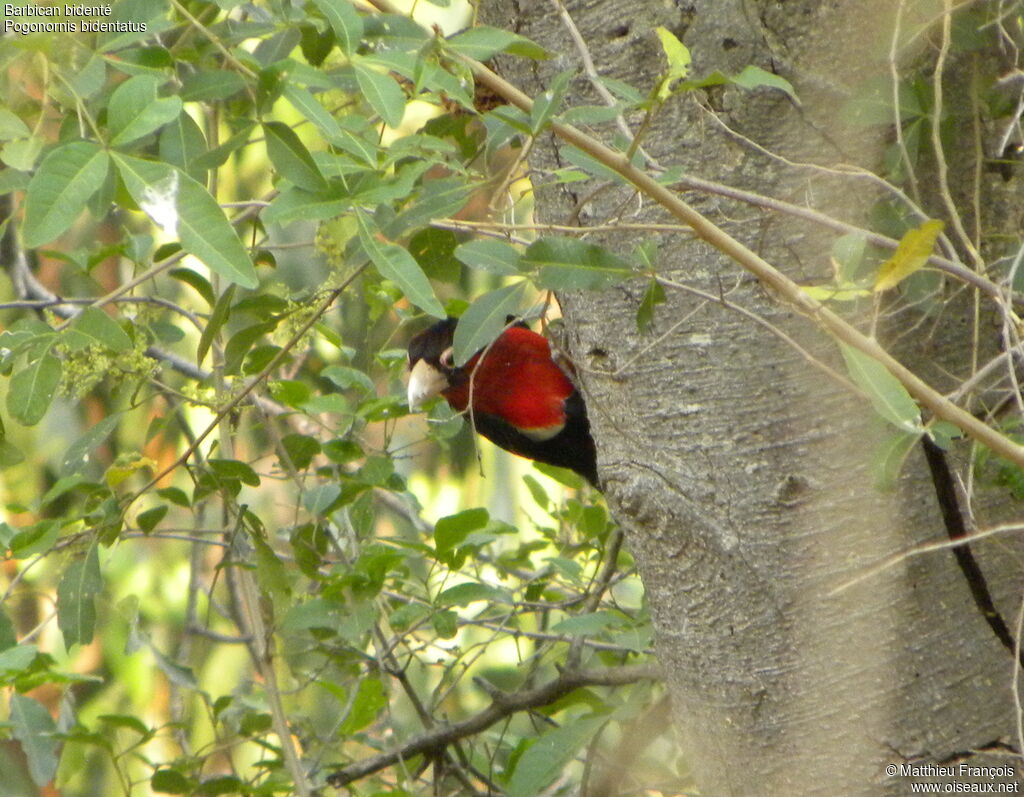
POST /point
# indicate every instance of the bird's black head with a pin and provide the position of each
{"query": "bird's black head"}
(431, 365)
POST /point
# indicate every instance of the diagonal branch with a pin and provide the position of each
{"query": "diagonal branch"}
(784, 287)
(501, 707)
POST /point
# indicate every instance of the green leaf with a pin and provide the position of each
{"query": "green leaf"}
(290, 157)
(590, 165)
(396, 264)
(943, 433)
(445, 623)
(344, 21)
(10, 455)
(295, 204)
(547, 103)
(171, 781)
(76, 593)
(66, 179)
(848, 255)
(319, 499)
(586, 624)
(8, 634)
(211, 84)
(17, 659)
(434, 250)
(22, 153)
(889, 458)
(149, 519)
(13, 180)
(548, 756)
(290, 392)
(11, 126)
(93, 327)
(233, 470)
(465, 594)
(888, 396)
(309, 106)
(182, 143)
(90, 78)
(487, 254)
(175, 495)
(300, 449)
(136, 111)
(221, 784)
(382, 92)
(348, 378)
(197, 282)
(176, 673)
(484, 42)
(653, 296)
(242, 342)
(184, 208)
(271, 574)
(31, 389)
(678, 57)
(368, 702)
(753, 77)
(440, 198)
(914, 249)
(451, 530)
(37, 538)
(218, 156)
(34, 728)
(569, 264)
(218, 318)
(485, 319)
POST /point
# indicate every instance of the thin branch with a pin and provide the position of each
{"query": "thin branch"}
(501, 707)
(789, 341)
(595, 78)
(782, 285)
(894, 73)
(942, 168)
(231, 405)
(926, 548)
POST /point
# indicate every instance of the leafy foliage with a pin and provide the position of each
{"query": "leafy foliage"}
(208, 471)
(262, 581)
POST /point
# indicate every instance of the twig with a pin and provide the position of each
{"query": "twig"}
(942, 168)
(782, 285)
(595, 78)
(930, 547)
(502, 706)
(789, 341)
(231, 405)
(894, 73)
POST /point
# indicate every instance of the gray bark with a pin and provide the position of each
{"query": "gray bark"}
(741, 474)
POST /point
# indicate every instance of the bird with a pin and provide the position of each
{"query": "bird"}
(522, 399)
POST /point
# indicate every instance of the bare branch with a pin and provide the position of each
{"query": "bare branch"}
(502, 706)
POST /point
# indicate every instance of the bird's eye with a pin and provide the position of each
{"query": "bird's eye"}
(447, 358)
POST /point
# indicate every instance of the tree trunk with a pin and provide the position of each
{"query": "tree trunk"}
(742, 473)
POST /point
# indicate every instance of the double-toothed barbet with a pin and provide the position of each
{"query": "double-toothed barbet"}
(523, 401)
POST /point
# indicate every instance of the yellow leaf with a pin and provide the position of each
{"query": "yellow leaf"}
(123, 470)
(678, 61)
(913, 252)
